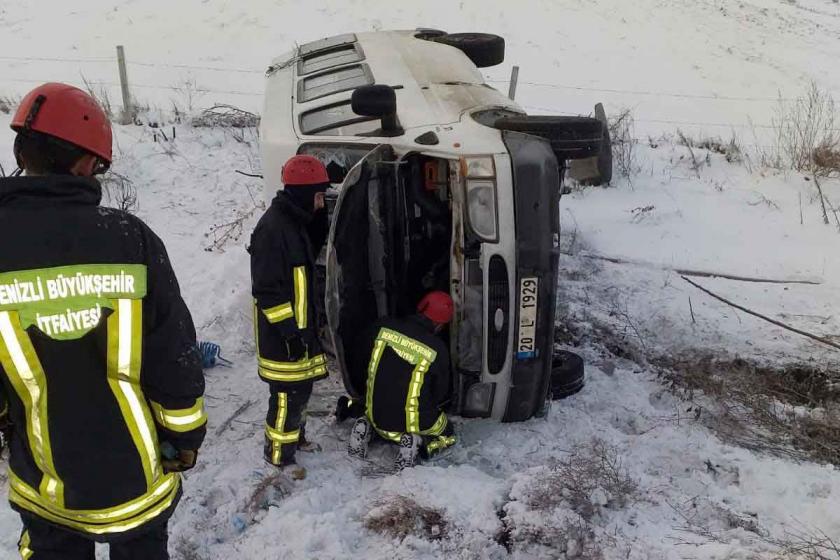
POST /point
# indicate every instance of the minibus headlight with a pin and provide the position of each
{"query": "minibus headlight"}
(481, 205)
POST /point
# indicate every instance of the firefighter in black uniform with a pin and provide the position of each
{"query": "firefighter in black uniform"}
(283, 250)
(101, 380)
(406, 383)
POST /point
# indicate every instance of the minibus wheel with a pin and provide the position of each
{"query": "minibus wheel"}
(567, 374)
(483, 49)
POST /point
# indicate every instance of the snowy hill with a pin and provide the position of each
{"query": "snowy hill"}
(635, 466)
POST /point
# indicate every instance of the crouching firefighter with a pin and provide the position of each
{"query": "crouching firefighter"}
(101, 380)
(283, 250)
(407, 384)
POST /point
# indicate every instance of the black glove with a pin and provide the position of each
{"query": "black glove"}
(296, 348)
(177, 460)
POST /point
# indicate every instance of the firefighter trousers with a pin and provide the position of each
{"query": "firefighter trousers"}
(285, 423)
(43, 541)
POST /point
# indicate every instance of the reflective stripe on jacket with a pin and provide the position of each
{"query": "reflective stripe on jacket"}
(285, 295)
(97, 359)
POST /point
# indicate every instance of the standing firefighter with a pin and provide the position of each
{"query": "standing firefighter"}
(283, 249)
(407, 384)
(98, 360)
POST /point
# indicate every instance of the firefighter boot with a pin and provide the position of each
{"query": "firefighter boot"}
(357, 445)
(409, 450)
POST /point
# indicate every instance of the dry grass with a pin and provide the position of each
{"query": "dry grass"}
(730, 150)
(100, 93)
(397, 517)
(793, 411)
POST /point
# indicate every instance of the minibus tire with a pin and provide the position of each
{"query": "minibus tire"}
(570, 137)
(428, 34)
(483, 49)
(567, 374)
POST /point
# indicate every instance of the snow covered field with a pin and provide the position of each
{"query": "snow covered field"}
(661, 483)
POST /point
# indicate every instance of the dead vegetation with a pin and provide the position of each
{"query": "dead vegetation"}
(622, 132)
(120, 192)
(717, 522)
(573, 538)
(222, 234)
(100, 93)
(397, 517)
(8, 103)
(793, 411)
(226, 116)
(730, 150)
(560, 506)
(587, 480)
(807, 134)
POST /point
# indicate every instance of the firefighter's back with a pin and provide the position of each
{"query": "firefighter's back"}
(73, 302)
(403, 352)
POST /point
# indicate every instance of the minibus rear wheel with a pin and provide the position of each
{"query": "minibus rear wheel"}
(483, 49)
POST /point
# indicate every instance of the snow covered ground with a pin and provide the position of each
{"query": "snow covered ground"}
(680, 491)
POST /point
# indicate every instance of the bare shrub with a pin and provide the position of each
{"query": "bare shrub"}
(808, 133)
(792, 411)
(226, 116)
(100, 93)
(622, 130)
(397, 517)
(120, 192)
(189, 93)
(230, 232)
(587, 480)
(8, 103)
(809, 545)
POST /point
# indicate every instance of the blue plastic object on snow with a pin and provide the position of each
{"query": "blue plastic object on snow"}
(211, 355)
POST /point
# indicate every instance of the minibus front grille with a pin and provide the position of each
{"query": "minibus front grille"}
(498, 314)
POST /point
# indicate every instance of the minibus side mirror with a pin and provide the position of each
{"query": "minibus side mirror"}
(378, 101)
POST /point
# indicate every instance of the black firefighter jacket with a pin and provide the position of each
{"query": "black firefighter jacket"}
(283, 286)
(407, 378)
(97, 360)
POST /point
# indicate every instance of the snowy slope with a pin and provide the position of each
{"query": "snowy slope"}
(189, 193)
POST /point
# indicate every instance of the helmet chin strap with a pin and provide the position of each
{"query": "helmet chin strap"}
(18, 161)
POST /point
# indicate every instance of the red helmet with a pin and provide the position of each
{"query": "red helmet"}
(67, 113)
(437, 306)
(304, 170)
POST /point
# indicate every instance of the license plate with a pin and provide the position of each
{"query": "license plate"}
(528, 298)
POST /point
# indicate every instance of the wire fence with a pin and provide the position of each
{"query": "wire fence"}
(490, 79)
